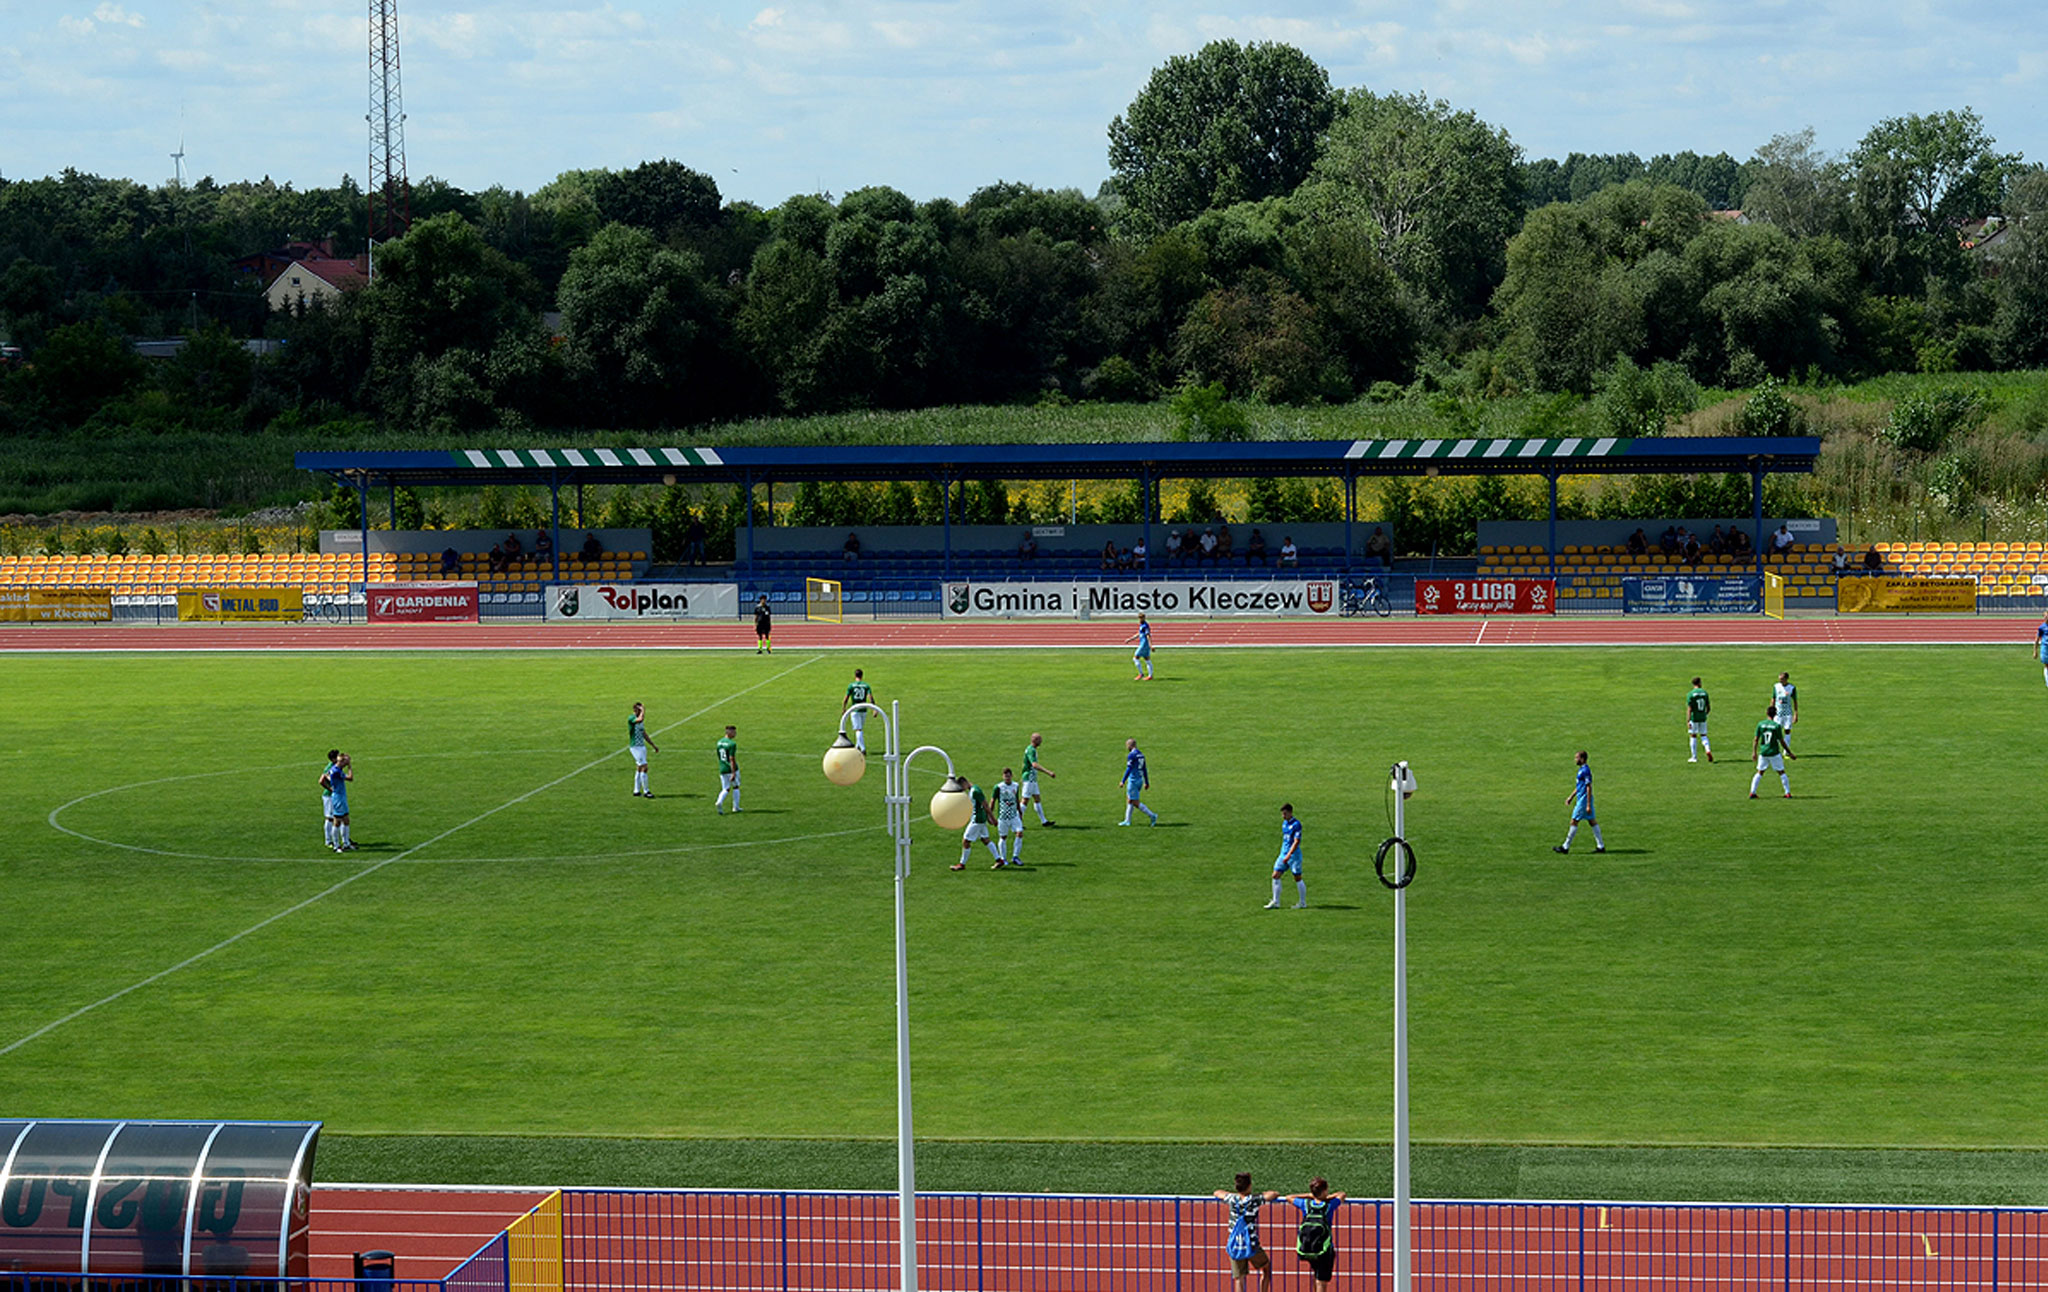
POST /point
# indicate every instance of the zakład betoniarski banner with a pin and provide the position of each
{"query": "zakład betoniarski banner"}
(1222, 599)
(56, 605)
(1486, 596)
(1899, 595)
(421, 603)
(216, 605)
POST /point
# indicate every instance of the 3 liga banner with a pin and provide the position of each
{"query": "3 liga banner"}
(224, 604)
(643, 601)
(1263, 598)
(1486, 596)
(421, 603)
(1720, 595)
(55, 605)
(1855, 594)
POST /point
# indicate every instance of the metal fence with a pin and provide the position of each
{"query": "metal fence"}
(635, 1240)
(24, 1281)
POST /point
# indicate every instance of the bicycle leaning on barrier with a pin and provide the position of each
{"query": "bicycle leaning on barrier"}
(1363, 596)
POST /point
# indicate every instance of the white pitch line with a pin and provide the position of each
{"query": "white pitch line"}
(370, 870)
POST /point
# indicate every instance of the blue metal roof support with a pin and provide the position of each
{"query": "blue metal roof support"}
(1756, 515)
(363, 503)
(555, 528)
(946, 519)
(1552, 544)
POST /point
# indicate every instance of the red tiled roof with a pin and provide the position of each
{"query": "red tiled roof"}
(344, 274)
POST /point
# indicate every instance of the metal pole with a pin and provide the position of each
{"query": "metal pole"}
(898, 780)
(554, 528)
(1553, 528)
(363, 501)
(1402, 1277)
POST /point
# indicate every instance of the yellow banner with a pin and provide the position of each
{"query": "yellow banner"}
(56, 605)
(288, 604)
(1896, 595)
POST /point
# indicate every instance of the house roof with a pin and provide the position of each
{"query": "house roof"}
(341, 274)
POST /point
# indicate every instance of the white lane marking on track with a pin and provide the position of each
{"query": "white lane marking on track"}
(1482, 631)
(370, 870)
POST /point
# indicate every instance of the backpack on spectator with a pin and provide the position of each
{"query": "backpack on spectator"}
(1312, 1237)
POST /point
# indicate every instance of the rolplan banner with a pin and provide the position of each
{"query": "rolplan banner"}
(1486, 596)
(1721, 595)
(644, 601)
(422, 603)
(1248, 598)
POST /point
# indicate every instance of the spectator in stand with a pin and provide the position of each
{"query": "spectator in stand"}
(851, 547)
(1667, 542)
(1738, 542)
(1689, 547)
(1109, 555)
(1208, 545)
(693, 539)
(1781, 542)
(1873, 562)
(514, 551)
(1225, 545)
(543, 547)
(1379, 548)
(1638, 543)
(592, 549)
(1139, 554)
(1027, 547)
(1290, 555)
(451, 561)
(1255, 549)
(497, 560)
(1173, 548)
(1838, 564)
(1717, 542)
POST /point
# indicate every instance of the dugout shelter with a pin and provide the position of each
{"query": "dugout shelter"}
(156, 1197)
(752, 467)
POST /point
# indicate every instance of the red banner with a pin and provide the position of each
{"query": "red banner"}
(422, 603)
(1486, 596)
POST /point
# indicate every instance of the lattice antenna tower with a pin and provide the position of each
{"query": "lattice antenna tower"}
(390, 196)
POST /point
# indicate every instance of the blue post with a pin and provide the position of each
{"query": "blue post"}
(1144, 503)
(784, 1242)
(1756, 515)
(946, 520)
(749, 509)
(1350, 510)
(363, 498)
(1553, 524)
(555, 530)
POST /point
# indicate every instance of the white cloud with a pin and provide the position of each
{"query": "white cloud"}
(114, 15)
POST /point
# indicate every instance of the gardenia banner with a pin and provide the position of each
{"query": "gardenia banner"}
(1283, 598)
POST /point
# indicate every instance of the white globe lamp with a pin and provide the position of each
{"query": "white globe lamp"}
(1404, 780)
(844, 764)
(952, 807)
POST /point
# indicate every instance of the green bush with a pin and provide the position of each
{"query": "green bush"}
(1204, 413)
(1770, 412)
(1923, 423)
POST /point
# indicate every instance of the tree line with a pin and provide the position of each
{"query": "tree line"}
(1261, 231)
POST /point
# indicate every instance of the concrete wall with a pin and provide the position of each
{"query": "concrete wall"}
(1614, 533)
(476, 540)
(1053, 540)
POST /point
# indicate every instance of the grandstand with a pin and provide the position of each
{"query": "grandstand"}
(2000, 569)
(1595, 572)
(316, 572)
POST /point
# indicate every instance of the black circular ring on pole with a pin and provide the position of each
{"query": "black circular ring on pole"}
(1379, 863)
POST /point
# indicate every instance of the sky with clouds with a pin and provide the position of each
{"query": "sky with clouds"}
(941, 97)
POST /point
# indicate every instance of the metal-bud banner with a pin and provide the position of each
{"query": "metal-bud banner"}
(1486, 596)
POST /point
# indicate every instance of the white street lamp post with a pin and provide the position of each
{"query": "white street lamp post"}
(1402, 784)
(950, 808)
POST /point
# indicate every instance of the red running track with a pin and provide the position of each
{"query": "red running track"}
(1702, 630)
(429, 1230)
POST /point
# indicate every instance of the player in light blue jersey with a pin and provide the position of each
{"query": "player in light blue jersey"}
(2041, 647)
(1289, 859)
(1141, 658)
(1136, 781)
(1581, 799)
(340, 771)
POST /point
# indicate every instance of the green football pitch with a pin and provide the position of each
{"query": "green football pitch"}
(522, 948)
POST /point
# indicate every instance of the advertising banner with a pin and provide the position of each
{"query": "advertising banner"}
(643, 601)
(1718, 595)
(1486, 596)
(240, 604)
(1898, 595)
(422, 603)
(55, 605)
(1249, 598)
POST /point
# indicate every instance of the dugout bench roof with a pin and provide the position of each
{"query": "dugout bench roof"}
(708, 464)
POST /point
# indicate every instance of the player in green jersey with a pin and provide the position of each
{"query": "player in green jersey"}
(640, 746)
(977, 829)
(1772, 747)
(1696, 707)
(858, 692)
(728, 771)
(1032, 768)
(1009, 801)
